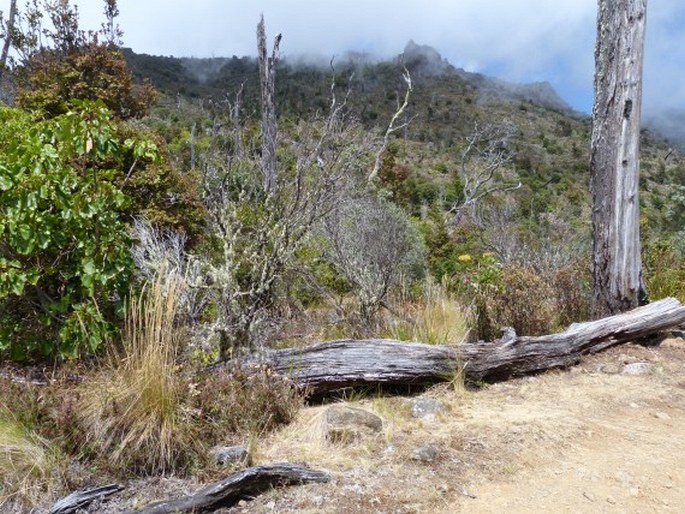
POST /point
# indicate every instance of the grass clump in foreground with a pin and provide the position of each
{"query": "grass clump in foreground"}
(132, 410)
(30, 466)
(147, 413)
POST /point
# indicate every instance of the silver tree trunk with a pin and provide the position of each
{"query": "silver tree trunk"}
(615, 146)
(267, 77)
(8, 37)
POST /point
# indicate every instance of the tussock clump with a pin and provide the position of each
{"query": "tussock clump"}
(30, 467)
(143, 414)
(133, 412)
(438, 317)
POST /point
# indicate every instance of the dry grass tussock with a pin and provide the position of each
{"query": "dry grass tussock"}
(146, 412)
(29, 466)
(132, 411)
(437, 318)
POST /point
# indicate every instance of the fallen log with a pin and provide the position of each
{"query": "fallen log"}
(245, 484)
(82, 498)
(336, 365)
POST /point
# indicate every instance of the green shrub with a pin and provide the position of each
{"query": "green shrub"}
(533, 302)
(64, 262)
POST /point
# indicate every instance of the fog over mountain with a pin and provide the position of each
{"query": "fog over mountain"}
(520, 42)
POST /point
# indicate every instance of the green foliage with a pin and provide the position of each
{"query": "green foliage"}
(531, 301)
(64, 256)
(60, 63)
(94, 71)
(664, 271)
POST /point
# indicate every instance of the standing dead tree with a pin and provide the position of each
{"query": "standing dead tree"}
(9, 29)
(392, 128)
(267, 77)
(261, 229)
(485, 155)
(615, 147)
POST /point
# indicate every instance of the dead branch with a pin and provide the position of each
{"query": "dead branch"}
(267, 76)
(391, 126)
(247, 483)
(485, 154)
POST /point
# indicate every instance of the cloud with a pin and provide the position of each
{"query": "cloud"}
(526, 40)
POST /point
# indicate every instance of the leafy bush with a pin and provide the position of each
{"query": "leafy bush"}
(533, 302)
(524, 301)
(64, 261)
(373, 244)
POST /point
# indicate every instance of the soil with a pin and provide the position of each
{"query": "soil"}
(588, 439)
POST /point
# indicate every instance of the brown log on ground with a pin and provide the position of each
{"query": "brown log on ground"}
(245, 484)
(341, 364)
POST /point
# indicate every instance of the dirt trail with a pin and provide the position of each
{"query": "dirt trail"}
(629, 460)
(627, 456)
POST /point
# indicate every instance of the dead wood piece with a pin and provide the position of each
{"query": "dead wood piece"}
(525, 354)
(247, 483)
(346, 363)
(80, 499)
(336, 365)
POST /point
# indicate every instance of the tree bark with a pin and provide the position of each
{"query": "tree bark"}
(246, 483)
(337, 365)
(8, 37)
(267, 77)
(615, 146)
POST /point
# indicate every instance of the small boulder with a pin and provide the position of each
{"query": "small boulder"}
(426, 453)
(425, 408)
(342, 423)
(637, 368)
(230, 455)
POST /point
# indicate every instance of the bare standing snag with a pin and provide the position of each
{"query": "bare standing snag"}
(615, 155)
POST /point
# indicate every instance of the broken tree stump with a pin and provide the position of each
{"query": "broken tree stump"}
(245, 484)
(336, 365)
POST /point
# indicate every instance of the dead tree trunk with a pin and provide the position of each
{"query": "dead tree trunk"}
(350, 363)
(615, 146)
(267, 77)
(8, 37)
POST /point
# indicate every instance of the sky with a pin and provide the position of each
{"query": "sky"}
(520, 41)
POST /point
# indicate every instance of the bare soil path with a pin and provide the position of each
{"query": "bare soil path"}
(628, 454)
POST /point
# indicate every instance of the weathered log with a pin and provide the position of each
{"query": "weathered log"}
(524, 354)
(79, 499)
(341, 364)
(347, 363)
(244, 484)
